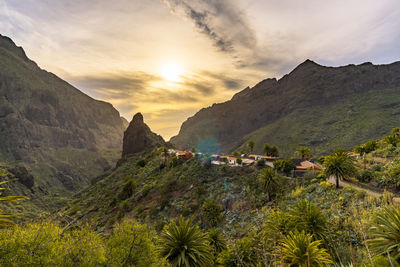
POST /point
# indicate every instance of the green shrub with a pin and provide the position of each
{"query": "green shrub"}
(127, 190)
(365, 176)
(211, 212)
(141, 163)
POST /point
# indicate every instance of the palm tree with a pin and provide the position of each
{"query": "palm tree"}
(184, 244)
(303, 151)
(308, 217)
(385, 232)
(299, 249)
(340, 165)
(251, 145)
(270, 150)
(269, 180)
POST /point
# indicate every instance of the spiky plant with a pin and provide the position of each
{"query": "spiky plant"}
(385, 232)
(269, 180)
(299, 249)
(307, 216)
(184, 244)
(5, 217)
(217, 240)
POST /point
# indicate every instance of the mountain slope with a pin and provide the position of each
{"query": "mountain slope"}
(64, 136)
(317, 106)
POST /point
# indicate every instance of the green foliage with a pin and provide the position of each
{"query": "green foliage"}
(141, 163)
(269, 181)
(285, 166)
(271, 151)
(184, 244)
(251, 145)
(306, 216)
(239, 160)
(385, 232)
(128, 190)
(299, 249)
(365, 176)
(340, 165)
(240, 253)
(131, 244)
(303, 151)
(217, 241)
(211, 212)
(260, 163)
(391, 140)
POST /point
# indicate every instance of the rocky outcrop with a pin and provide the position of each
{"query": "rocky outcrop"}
(138, 137)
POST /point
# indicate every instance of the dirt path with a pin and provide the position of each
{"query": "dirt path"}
(369, 192)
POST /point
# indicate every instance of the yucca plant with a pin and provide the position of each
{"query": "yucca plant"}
(307, 216)
(299, 249)
(385, 233)
(217, 240)
(184, 244)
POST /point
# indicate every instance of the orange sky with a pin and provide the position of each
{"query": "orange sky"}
(170, 58)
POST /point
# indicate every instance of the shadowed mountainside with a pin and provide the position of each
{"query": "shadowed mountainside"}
(321, 107)
(64, 136)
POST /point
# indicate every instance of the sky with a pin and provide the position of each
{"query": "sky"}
(169, 58)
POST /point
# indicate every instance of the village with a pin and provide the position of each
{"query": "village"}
(244, 160)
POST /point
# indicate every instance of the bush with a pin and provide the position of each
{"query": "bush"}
(211, 212)
(141, 163)
(128, 190)
(260, 163)
(285, 166)
(365, 176)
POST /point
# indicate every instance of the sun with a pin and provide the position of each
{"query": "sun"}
(171, 71)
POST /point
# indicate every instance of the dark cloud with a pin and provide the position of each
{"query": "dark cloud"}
(220, 20)
(117, 86)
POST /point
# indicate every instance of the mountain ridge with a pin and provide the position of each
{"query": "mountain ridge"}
(307, 86)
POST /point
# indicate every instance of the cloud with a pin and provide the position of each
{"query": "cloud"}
(120, 85)
(220, 20)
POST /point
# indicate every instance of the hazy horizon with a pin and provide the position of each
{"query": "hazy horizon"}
(168, 59)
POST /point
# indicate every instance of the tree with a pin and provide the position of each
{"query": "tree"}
(306, 216)
(131, 244)
(303, 151)
(299, 249)
(271, 151)
(164, 154)
(269, 180)
(385, 232)
(391, 140)
(239, 160)
(184, 244)
(193, 150)
(284, 166)
(251, 144)
(340, 165)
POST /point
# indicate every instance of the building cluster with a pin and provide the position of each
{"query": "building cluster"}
(247, 160)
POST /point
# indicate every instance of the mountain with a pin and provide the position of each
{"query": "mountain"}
(138, 137)
(317, 106)
(60, 135)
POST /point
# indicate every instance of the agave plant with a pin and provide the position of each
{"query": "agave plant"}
(184, 244)
(385, 233)
(299, 249)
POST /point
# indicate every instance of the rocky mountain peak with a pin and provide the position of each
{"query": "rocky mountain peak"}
(138, 137)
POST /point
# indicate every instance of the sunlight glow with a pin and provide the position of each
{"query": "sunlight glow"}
(171, 71)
